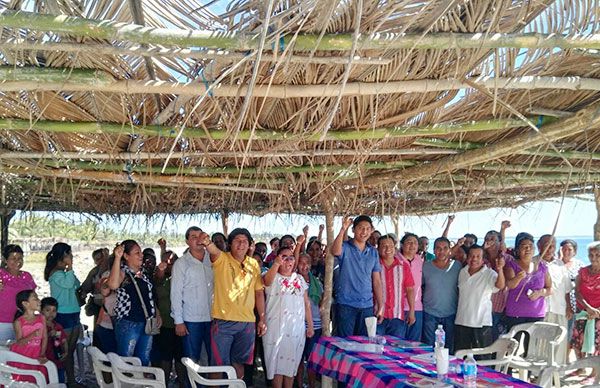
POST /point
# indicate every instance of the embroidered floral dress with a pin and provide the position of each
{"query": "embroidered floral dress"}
(284, 340)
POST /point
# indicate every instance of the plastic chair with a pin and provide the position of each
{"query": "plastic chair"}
(102, 368)
(134, 375)
(6, 377)
(503, 350)
(544, 340)
(545, 379)
(194, 370)
(7, 356)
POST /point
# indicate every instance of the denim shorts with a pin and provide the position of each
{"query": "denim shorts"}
(232, 342)
(68, 321)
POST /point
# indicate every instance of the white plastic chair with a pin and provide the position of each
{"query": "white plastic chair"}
(7, 356)
(6, 377)
(134, 375)
(101, 366)
(545, 379)
(194, 370)
(544, 340)
(503, 350)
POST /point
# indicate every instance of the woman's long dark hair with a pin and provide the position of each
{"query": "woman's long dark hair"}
(56, 254)
(22, 296)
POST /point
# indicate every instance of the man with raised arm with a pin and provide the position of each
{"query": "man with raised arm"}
(238, 289)
(359, 278)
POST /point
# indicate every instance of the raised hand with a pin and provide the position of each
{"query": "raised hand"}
(347, 223)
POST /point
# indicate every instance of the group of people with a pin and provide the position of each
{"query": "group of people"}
(225, 300)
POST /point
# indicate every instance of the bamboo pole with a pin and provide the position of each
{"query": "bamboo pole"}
(136, 156)
(137, 179)
(20, 45)
(53, 82)
(457, 146)
(173, 170)
(218, 134)
(111, 30)
(584, 119)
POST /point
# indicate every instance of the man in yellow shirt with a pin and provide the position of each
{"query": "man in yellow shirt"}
(238, 288)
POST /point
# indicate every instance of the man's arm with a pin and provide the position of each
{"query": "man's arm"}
(447, 228)
(261, 326)
(377, 291)
(177, 298)
(210, 246)
(500, 280)
(336, 248)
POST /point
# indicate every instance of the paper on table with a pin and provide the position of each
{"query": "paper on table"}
(360, 347)
(429, 357)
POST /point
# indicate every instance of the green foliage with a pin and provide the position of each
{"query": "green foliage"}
(87, 231)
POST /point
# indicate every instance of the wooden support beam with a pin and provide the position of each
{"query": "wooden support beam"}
(584, 119)
(111, 30)
(255, 154)
(44, 79)
(5, 216)
(216, 184)
(274, 135)
(20, 45)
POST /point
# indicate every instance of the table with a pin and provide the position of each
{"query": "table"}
(394, 368)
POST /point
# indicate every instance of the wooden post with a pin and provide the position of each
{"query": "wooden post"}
(326, 199)
(597, 224)
(225, 221)
(5, 217)
(328, 286)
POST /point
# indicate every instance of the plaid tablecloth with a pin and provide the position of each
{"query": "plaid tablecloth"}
(396, 367)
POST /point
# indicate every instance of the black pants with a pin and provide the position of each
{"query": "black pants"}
(472, 337)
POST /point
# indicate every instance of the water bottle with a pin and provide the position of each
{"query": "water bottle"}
(440, 337)
(470, 371)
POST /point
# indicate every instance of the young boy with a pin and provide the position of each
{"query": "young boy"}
(56, 351)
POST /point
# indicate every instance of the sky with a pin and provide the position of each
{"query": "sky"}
(576, 218)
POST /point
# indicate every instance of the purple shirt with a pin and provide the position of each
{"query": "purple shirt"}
(12, 285)
(518, 303)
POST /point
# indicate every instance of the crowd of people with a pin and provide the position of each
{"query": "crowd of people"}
(225, 301)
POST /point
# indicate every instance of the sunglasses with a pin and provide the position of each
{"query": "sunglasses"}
(288, 258)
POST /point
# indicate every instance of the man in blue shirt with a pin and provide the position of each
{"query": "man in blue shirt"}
(359, 278)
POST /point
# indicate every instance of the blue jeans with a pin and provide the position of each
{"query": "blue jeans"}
(498, 325)
(430, 324)
(414, 332)
(394, 326)
(132, 340)
(351, 320)
(198, 334)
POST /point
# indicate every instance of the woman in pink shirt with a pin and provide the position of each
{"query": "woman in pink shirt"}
(409, 245)
(12, 281)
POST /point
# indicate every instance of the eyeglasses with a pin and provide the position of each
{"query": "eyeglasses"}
(288, 258)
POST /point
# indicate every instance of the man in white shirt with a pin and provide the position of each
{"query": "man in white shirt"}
(191, 296)
(557, 303)
(476, 284)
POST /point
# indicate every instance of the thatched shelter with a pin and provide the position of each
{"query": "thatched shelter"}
(405, 107)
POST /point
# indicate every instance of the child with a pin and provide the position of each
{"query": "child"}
(315, 294)
(56, 350)
(287, 308)
(30, 332)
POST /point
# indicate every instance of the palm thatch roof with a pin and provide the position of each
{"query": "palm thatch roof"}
(399, 107)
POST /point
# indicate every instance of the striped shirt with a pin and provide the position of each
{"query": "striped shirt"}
(394, 280)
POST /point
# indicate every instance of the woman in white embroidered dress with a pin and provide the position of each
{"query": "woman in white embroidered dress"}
(287, 308)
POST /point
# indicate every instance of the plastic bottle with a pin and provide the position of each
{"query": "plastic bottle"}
(440, 337)
(470, 371)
